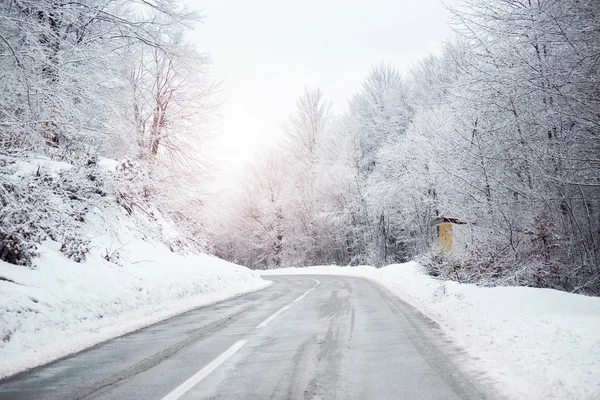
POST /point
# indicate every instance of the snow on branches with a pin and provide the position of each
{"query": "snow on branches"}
(500, 131)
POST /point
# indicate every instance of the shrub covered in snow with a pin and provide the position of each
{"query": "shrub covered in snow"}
(65, 101)
(43, 199)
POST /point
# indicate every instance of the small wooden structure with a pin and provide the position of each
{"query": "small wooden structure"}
(445, 232)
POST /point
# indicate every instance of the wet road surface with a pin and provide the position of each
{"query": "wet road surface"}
(321, 337)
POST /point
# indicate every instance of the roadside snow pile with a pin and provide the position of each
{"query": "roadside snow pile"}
(533, 343)
(95, 265)
(61, 306)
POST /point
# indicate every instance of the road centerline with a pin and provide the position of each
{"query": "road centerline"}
(284, 308)
(204, 372)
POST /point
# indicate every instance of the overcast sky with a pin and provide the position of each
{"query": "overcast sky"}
(267, 51)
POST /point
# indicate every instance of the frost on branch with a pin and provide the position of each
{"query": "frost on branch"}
(500, 130)
(38, 204)
(88, 79)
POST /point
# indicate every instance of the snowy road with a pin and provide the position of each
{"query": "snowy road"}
(304, 337)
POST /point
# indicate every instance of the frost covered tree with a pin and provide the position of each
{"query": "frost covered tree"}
(303, 136)
(500, 130)
(382, 113)
(532, 85)
(381, 110)
(253, 232)
(64, 69)
(170, 103)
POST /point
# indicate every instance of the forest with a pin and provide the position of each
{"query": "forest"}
(501, 131)
(85, 80)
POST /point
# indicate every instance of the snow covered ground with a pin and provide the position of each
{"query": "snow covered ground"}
(61, 307)
(532, 343)
(130, 279)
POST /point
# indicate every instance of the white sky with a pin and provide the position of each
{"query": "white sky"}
(267, 51)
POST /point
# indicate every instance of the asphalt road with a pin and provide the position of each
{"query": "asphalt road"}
(321, 337)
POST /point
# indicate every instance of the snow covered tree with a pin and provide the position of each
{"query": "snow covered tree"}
(64, 69)
(500, 131)
(532, 85)
(382, 113)
(303, 136)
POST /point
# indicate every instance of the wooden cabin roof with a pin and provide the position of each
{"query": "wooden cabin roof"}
(446, 220)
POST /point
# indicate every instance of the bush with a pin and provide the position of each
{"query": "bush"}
(40, 203)
(75, 248)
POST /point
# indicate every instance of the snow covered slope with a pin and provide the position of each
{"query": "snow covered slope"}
(61, 306)
(130, 278)
(532, 343)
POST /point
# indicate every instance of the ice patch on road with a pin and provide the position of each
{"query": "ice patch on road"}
(533, 343)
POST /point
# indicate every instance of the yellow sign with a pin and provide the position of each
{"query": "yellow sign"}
(446, 237)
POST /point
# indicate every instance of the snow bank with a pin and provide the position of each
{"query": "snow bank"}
(30, 166)
(533, 343)
(60, 306)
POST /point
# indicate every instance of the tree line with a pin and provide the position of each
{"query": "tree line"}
(501, 130)
(84, 79)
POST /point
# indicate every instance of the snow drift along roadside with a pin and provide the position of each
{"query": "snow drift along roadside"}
(130, 278)
(532, 343)
(62, 307)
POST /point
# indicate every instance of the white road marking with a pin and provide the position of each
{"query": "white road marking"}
(204, 372)
(278, 313)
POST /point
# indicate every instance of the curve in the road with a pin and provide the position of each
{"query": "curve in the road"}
(302, 338)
